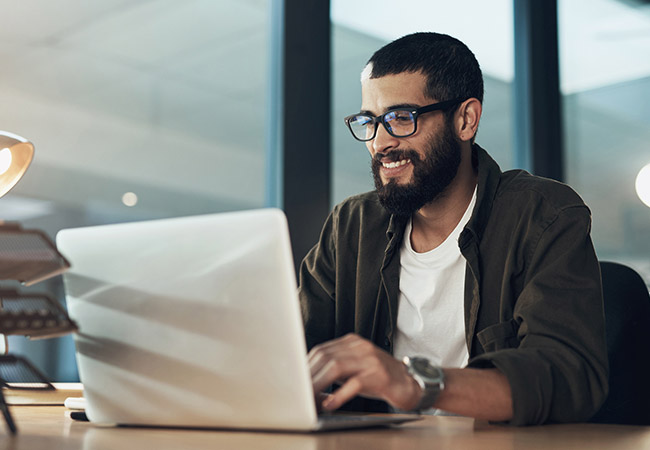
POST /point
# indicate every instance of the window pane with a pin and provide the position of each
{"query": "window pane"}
(605, 77)
(359, 29)
(138, 110)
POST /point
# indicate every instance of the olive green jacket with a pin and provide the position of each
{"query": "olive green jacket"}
(533, 296)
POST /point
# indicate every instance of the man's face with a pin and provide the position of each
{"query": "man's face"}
(412, 171)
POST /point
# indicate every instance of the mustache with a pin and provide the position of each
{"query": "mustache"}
(397, 154)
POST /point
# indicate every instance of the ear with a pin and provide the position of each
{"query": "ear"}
(467, 118)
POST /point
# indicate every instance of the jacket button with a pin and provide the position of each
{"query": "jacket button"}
(386, 343)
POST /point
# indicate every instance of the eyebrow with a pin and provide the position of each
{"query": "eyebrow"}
(391, 107)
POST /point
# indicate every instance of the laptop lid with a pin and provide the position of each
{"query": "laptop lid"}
(190, 321)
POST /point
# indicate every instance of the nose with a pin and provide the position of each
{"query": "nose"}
(382, 142)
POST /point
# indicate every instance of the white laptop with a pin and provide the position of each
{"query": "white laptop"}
(193, 322)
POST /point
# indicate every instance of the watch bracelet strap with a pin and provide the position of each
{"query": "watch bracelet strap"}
(429, 396)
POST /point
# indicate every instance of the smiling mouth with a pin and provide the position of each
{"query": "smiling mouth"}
(395, 164)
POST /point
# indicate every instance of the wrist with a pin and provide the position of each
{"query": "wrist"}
(430, 381)
(417, 392)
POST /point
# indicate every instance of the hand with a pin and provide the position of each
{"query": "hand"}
(362, 369)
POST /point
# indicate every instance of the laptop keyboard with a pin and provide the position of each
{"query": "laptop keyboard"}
(327, 421)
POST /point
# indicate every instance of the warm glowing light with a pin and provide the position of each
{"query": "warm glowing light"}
(642, 185)
(130, 199)
(5, 160)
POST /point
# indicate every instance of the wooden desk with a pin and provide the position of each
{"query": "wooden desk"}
(50, 428)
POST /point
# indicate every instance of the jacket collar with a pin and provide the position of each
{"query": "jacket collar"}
(489, 175)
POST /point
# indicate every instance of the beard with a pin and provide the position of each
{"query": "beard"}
(431, 175)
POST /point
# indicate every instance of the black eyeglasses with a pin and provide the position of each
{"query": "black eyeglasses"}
(399, 122)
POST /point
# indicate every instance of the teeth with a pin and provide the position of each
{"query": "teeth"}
(392, 165)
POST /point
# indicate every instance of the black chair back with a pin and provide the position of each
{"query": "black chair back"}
(627, 322)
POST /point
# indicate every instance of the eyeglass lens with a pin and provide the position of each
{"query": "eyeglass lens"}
(398, 123)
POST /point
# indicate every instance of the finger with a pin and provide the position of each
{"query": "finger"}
(337, 361)
(345, 347)
(329, 374)
(338, 370)
(332, 345)
(320, 397)
(350, 389)
(317, 360)
(349, 345)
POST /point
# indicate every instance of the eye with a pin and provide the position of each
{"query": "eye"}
(403, 116)
(399, 117)
(390, 116)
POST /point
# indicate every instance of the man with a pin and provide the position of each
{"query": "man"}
(487, 282)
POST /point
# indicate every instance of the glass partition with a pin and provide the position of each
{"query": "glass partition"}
(138, 110)
(605, 78)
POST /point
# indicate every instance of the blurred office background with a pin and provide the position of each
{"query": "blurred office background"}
(145, 109)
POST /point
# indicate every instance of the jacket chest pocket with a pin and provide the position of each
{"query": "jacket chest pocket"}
(499, 336)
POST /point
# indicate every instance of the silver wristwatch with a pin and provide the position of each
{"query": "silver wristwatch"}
(430, 378)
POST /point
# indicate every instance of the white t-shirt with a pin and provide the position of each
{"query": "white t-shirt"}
(430, 316)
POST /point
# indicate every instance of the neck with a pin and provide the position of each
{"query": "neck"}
(435, 221)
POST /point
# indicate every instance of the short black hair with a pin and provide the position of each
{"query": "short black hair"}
(451, 68)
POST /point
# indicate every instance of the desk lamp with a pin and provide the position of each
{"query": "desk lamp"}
(27, 256)
(16, 154)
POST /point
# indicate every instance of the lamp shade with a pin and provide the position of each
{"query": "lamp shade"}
(16, 154)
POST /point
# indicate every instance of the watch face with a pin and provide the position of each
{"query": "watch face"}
(425, 369)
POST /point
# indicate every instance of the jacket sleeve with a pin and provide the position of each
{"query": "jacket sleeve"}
(318, 285)
(558, 372)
